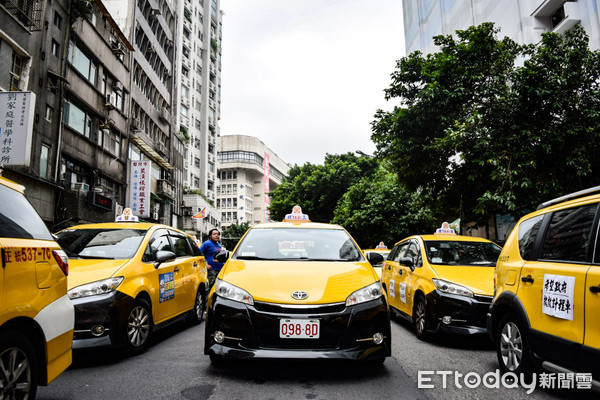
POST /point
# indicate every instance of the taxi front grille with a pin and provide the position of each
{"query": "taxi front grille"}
(299, 309)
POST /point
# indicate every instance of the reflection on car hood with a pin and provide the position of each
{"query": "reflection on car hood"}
(479, 279)
(83, 271)
(275, 281)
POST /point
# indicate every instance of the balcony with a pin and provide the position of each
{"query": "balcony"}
(164, 188)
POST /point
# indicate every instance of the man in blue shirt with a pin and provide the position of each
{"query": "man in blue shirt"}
(209, 250)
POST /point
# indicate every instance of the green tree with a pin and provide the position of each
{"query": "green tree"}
(318, 188)
(232, 235)
(479, 131)
(378, 209)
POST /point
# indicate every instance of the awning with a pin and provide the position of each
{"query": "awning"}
(149, 151)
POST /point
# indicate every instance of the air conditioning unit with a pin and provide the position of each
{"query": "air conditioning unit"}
(155, 11)
(116, 47)
(109, 101)
(155, 215)
(164, 115)
(136, 123)
(117, 85)
(80, 187)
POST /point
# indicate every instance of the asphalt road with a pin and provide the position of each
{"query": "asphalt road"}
(175, 368)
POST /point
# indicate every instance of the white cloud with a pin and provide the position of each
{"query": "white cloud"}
(307, 76)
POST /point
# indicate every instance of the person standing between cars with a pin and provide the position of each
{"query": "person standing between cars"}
(209, 250)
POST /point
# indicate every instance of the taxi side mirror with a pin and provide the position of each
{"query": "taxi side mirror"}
(375, 258)
(162, 256)
(407, 261)
(222, 256)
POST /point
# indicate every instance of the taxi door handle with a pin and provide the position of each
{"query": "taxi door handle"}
(595, 289)
(527, 279)
(400, 272)
(176, 269)
(389, 267)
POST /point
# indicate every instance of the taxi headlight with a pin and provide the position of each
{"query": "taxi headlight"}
(451, 288)
(365, 294)
(231, 292)
(99, 287)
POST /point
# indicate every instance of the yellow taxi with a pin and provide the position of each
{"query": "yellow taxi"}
(382, 250)
(130, 278)
(297, 290)
(442, 282)
(36, 315)
(546, 307)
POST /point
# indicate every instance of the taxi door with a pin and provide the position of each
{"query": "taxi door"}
(407, 277)
(553, 289)
(186, 265)
(162, 279)
(390, 275)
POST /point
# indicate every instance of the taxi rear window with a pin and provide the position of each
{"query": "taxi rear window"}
(18, 218)
(101, 243)
(450, 252)
(298, 244)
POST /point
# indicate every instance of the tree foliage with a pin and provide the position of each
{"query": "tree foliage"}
(378, 209)
(490, 126)
(318, 188)
(233, 233)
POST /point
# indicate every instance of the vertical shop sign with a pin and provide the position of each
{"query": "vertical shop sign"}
(266, 167)
(139, 196)
(16, 127)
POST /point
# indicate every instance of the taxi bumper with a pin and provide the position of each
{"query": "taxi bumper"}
(457, 314)
(108, 311)
(252, 331)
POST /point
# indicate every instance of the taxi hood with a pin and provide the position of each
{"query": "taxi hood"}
(479, 279)
(275, 281)
(82, 271)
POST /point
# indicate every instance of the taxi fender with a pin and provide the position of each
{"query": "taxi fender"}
(506, 302)
(133, 287)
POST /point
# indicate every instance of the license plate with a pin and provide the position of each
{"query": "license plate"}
(299, 328)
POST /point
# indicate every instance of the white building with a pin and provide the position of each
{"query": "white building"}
(524, 21)
(248, 170)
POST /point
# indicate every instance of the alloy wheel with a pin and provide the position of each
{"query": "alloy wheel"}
(511, 346)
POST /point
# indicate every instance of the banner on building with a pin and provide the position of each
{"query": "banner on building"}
(16, 127)
(139, 183)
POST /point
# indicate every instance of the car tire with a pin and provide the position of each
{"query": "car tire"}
(139, 326)
(512, 346)
(19, 364)
(420, 318)
(197, 313)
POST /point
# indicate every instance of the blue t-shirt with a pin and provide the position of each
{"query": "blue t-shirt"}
(209, 250)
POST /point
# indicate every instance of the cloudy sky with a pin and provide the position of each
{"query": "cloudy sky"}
(307, 76)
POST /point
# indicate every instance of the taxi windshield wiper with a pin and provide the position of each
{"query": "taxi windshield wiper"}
(250, 258)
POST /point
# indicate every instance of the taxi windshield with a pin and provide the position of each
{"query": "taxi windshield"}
(450, 252)
(298, 244)
(114, 244)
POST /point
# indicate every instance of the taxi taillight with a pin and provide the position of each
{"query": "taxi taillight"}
(62, 260)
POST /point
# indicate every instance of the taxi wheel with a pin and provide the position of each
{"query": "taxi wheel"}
(511, 346)
(18, 364)
(139, 326)
(420, 318)
(199, 307)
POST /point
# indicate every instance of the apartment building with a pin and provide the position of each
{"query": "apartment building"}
(248, 171)
(524, 21)
(71, 59)
(198, 108)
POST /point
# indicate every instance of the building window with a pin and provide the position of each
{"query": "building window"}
(77, 119)
(196, 162)
(44, 152)
(83, 63)
(184, 111)
(49, 113)
(55, 48)
(57, 20)
(110, 141)
(15, 71)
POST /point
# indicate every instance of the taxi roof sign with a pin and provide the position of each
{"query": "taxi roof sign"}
(127, 216)
(445, 229)
(296, 216)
